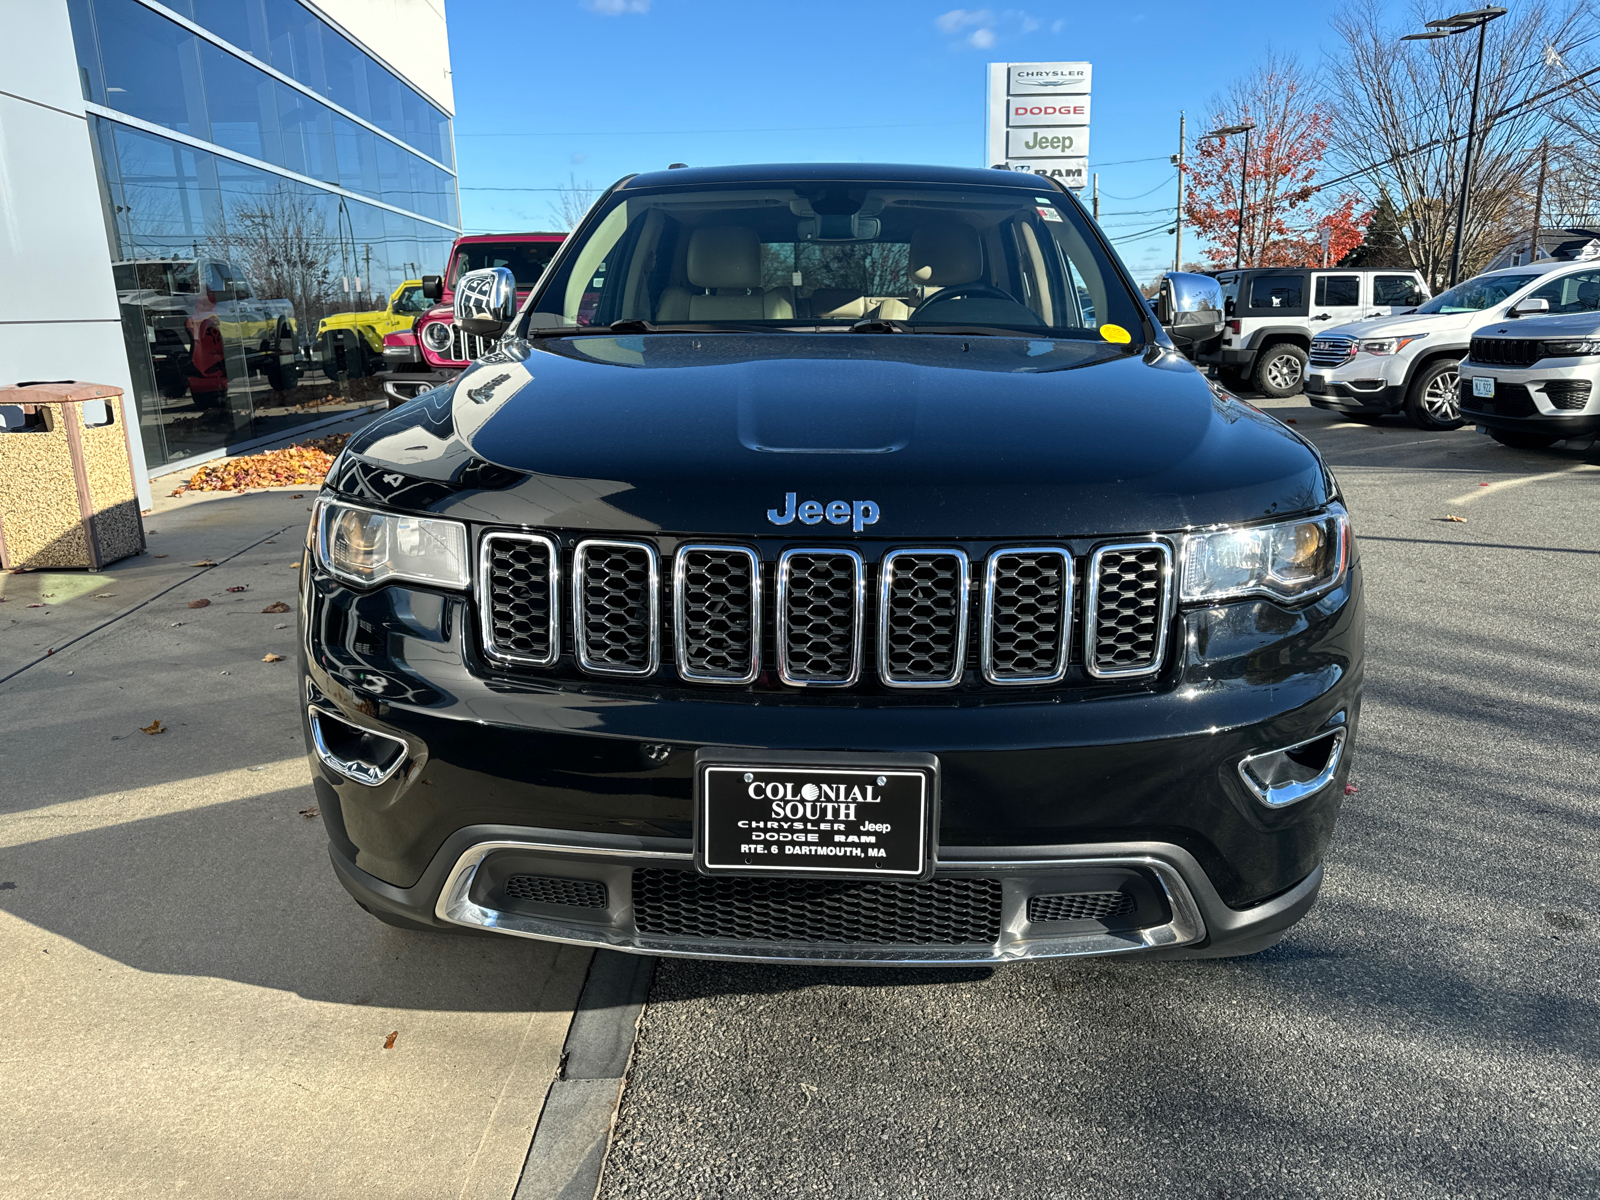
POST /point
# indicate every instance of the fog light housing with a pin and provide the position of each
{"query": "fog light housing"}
(1279, 778)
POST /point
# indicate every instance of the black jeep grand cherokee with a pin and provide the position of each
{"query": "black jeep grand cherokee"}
(833, 563)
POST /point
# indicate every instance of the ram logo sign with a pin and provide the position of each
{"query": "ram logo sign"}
(1028, 105)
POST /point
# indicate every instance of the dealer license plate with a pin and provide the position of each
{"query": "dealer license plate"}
(1483, 385)
(815, 820)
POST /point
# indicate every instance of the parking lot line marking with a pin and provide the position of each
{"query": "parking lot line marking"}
(157, 800)
(1480, 492)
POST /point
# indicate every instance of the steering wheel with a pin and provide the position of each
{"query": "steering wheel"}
(962, 291)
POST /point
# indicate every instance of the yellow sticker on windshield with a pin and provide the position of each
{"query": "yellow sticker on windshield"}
(1116, 333)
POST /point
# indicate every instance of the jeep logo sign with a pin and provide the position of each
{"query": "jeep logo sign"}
(1029, 103)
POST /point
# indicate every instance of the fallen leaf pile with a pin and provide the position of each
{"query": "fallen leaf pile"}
(277, 606)
(303, 463)
(272, 658)
(199, 604)
(1453, 519)
(153, 728)
(388, 1042)
(311, 813)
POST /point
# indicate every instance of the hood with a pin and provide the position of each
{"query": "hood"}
(1572, 325)
(943, 437)
(1397, 326)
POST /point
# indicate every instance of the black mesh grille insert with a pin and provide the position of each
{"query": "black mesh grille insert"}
(616, 607)
(1127, 608)
(716, 601)
(1029, 616)
(547, 889)
(1506, 352)
(818, 635)
(924, 612)
(1569, 394)
(1510, 400)
(519, 598)
(1080, 906)
(946, 912)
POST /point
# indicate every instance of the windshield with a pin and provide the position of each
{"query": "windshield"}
(525, 260)
(1477, 294)
(918, 257)
(411, 300)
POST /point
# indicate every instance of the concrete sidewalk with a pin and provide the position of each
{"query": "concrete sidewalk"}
(190, 1002)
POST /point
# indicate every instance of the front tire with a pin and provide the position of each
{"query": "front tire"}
(1434, 401)
(1280, 370)
(1523, 441)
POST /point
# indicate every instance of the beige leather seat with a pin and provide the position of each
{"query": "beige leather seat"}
(942, 254)
(727, 261)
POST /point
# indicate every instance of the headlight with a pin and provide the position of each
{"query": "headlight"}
(1571, 348)
(367, 547)
(1288, 561)
(1389, 345)
(436, 336)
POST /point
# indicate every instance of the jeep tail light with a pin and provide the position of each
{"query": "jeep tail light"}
(1233, 326)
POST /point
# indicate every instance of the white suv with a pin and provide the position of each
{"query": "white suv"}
(1273, 313)
(1532, 382)
(1409, 363)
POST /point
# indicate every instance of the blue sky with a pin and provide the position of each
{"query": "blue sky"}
(547, 90)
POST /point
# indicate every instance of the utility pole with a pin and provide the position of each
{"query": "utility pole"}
(1177, 248)
(1538, 201)
(1097, 197)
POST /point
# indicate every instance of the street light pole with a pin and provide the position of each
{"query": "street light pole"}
(1244, 166)
(1448, 27)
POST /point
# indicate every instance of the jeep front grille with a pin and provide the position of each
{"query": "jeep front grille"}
(1332, 351)
(616, 607)
(519, 598)
(916, 618)
(468, 347)
(716, 606)
(1506, 352)
(821, 611)
(1130, 589)
(922, 618)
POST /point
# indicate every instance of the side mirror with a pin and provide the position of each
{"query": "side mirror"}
(433, 287)
(486, 301)
(1531, 307)
(1190, 309)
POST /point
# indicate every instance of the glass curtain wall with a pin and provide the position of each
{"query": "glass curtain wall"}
(225, 268)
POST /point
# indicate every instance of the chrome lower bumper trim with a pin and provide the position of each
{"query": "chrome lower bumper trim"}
(1020, 877)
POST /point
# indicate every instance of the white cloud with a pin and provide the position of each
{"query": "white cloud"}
(615, 8)
(981, 28)
(579, 157)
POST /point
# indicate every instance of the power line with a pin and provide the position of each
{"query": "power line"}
(1145, 193)
(690, 132)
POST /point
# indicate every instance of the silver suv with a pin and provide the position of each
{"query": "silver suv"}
(1273, 313)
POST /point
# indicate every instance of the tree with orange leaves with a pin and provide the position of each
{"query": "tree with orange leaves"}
(1284, 210)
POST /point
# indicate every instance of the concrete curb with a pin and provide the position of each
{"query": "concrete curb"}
(569, 1145)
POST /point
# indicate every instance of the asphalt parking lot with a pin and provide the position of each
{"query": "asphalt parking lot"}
(1429, 1031)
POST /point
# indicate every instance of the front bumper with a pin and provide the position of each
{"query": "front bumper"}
(1523, 403)
(1369, 395)
(592, 780)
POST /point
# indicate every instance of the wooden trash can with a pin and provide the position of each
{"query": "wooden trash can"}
(67, 496)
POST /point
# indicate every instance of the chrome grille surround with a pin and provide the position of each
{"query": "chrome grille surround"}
(468, 347)
(1332, 351)
(922, 618)
(696, 642)
(831, 622)
(1000, 590)
(498, 604)
(1126, 609)
(603, 607)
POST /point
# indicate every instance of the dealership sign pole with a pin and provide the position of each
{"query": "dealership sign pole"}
(1039, 119)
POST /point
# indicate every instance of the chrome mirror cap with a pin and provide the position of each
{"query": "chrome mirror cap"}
(486, 301)
(1189, 307)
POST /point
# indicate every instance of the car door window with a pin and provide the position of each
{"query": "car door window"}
(1277, 291)
(1395, 290)
(1338, 291)
(1577, 292)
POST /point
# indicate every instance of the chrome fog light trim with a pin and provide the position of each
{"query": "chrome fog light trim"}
(1258, 770)
(367, 773)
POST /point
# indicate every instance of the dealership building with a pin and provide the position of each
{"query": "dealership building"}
(187, 188)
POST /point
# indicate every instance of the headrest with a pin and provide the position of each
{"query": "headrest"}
(945, 254)
(727, 257)
(1589, 292)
